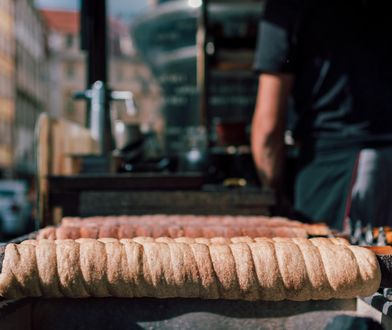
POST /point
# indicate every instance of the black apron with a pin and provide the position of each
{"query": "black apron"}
(323, 184)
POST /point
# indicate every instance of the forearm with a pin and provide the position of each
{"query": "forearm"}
(268, 128)
(268, 155)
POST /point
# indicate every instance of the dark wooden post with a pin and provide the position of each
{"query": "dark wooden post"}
(93, 33)
(94, 41)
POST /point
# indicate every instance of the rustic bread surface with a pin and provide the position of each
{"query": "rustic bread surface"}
(241, 268)
(319, 229)
(129, 230)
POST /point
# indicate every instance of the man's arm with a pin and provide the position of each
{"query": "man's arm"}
(268, 126)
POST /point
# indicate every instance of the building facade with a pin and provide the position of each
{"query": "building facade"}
(68, 69)
(31, 92)
(7, 90)
(66, 64)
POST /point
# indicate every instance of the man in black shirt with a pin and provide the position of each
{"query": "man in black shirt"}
(335, 58)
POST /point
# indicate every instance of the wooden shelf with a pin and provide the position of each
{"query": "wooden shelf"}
(229, 67)
(126, 181)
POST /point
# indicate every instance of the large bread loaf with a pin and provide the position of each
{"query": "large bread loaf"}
(267, 269)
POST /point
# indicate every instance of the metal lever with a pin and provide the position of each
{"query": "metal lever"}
(96, 121)
(85, 95)
(99, 121)
(128, 98)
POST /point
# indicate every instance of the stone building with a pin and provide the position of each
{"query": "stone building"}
(7, 89)
(23, 89)
(31, 90)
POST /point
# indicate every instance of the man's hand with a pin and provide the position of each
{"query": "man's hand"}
(268, 127)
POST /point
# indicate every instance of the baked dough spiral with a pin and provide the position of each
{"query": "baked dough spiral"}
(261, 269)
(120, 231)
(318, 229)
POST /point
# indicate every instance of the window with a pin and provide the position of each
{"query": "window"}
(69, 104)
(70, 70)
(120, 74)
(69, 40)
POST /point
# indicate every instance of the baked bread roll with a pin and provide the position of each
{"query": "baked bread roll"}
(131, 230)
(267, 269)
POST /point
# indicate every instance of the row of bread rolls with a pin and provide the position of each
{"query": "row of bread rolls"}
(294, 269)
(192, 220)
(159, 230)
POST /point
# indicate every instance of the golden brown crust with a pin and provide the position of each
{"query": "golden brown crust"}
(47, 233)
(267, 269)
(129, 231)
(318, 229)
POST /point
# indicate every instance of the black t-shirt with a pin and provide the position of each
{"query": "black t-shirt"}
(340, 52)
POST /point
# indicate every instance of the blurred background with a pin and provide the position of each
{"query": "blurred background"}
(183, 102)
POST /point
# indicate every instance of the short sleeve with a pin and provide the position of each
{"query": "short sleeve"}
(277, 37)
